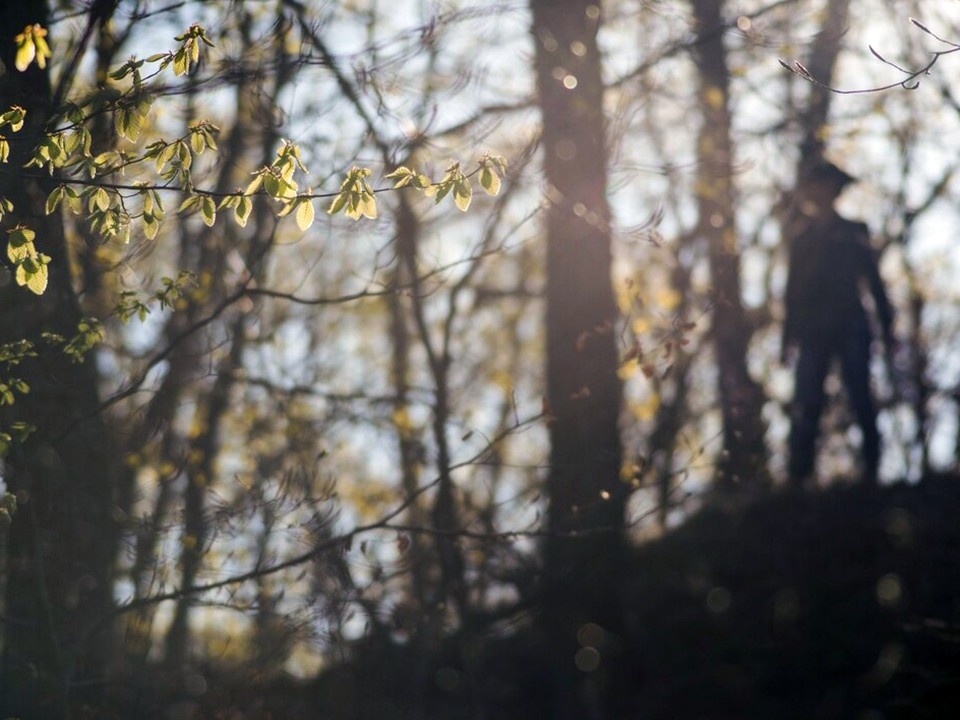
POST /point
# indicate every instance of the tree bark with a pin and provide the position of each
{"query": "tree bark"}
(584, 550)
(742, 462)
(61, 545)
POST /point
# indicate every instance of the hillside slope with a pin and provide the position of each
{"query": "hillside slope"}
(836, 604)
(843, 603)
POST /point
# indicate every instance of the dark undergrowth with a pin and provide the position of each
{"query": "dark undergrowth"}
(841, 603)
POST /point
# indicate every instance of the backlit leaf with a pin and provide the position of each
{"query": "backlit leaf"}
(305, 214)
(208, 210)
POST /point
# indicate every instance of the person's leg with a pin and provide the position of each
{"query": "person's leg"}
(855, 361)
(812, 367)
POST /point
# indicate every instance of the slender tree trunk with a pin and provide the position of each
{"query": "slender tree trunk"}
(201, 464)
(201, 469)
(584, 551)
(60, 548)
(409, 446)
(821, 61)
(672, 412)
(742, 462)
(813, 119)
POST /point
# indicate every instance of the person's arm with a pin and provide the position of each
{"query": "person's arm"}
(790, 304)
(881, 301)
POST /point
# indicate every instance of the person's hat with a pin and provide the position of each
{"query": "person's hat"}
(824, 170)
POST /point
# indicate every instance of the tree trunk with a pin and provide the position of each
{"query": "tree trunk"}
(742, 462)
(584, 548)
(60, 549)
(821, 61)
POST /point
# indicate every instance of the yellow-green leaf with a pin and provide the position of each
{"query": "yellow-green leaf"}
(151, 226)
(305, 214)
(189, 203)
(20, 244)
(181, 62)
(13, 117)
(242, 212)
(489, 181)
(208, 211)
(368, 205)
(31, 46)
(462, 193)
(338, 204)
(254, 184)
(26, 51)
(53, 199)
(197, 142)
(36, 281)
(101, 199)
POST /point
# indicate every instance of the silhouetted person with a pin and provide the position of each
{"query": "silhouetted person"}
(831, 267)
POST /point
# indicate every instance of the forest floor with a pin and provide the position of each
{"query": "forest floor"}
(837, 603)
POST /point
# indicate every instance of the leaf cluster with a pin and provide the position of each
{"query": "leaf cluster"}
(30, 266)
(132, 303)
(31, 46)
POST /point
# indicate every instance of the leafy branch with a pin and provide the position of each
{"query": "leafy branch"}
(66, 151)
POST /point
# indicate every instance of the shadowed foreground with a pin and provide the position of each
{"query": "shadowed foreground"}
(838, 604)
(843, 603)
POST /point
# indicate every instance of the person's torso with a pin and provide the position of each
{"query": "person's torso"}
(828, 267)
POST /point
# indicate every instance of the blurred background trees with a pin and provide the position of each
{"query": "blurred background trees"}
(286, 450)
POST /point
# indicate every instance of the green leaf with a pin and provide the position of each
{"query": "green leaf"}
(197, 142)
(189, 203)
(406, 177)
(181, 62)
(151, 226)
(305, 214)
(402, 175)
(339, 202)
(74, 202)
(254, 184)
(356, 197)
(440, 190)
(165, 155)
(35, 281)
(208, 131)
(242, 212)
(14, 118)
(121, 72)
(43, 50)
(271, 183)
(26, 51)
(489, 181)
(183, 154)
(128, 123)
(101, 199)
(20, 244)
(368, 206)
(53, 200)
(462, 193)
(208, 210)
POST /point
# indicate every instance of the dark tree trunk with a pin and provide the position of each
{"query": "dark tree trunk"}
(584, 548)
(56, 642)
(742, 462)
(821, 61)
